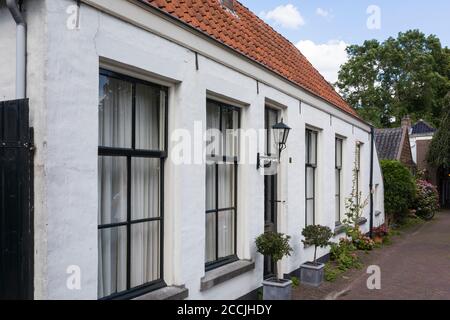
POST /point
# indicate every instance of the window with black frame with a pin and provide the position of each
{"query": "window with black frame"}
(310, 176)
(358, 170)
(338, 179)
(221, 184)
(132, 150)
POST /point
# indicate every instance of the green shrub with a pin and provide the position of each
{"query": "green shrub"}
(275, 245)
(427, 199)
(331, 272)
(399, 189)
(364, 243)
(317, 236)
(344, 254)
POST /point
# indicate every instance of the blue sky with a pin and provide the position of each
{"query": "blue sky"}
(322, 28)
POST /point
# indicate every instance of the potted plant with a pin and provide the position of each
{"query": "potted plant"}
(276, 246)
(312, 273)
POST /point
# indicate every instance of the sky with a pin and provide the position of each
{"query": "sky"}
(322, 29)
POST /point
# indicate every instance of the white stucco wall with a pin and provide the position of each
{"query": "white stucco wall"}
(64, 77)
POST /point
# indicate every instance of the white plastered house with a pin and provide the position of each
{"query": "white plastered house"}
(113, 87)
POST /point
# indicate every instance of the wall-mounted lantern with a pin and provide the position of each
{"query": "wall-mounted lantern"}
(280, 135)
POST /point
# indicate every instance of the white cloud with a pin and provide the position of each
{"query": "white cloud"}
(322, 12)
(286, 16)
(327, 57)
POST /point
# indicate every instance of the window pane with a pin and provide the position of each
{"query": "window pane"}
(112, 261)
(309, 182)
(210, 252)
(148, 119)
(214, 138)
(358, 157)
(145, 188)
(210, 186)
(212, 115)
(226, 186)
(338, 153)
(337, 180)
(145, 255)
(112, 189)
(226, 234)
(307, 134)
(271, 120)
(313, 148)
(229, 130)
(115, 112)
(309, 212)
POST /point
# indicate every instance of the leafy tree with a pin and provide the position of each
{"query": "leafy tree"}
(274, 245)
(439, 154)
(317, 236)
(409, 74)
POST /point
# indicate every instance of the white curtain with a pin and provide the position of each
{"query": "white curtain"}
(226, 218)
(145, 180)
(210, 217)
(115, 130)
(115, 112)
(225, 174)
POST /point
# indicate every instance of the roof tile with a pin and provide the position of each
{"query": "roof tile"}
(252, 37)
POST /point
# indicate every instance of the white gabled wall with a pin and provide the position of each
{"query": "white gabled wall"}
(67, 180)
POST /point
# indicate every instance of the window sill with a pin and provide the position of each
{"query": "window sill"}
(166, 293)
(362, 221)
(340, 229)
(227, 272)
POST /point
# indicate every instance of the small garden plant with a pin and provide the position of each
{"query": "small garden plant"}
(274, 245)
(317, 236)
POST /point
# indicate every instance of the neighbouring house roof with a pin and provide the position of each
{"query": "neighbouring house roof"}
(389, 142)
(247, 34)
(422, 128)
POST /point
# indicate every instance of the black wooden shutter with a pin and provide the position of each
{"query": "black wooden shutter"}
(16, 201)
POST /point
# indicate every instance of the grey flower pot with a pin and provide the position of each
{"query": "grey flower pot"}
(311, 274)
(274, 289)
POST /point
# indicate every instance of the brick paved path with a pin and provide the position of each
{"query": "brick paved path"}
(416, 266)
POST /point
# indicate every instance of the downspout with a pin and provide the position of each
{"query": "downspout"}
(21, 48)
(372, 141)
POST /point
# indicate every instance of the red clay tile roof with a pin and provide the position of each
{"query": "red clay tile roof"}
(252, 37)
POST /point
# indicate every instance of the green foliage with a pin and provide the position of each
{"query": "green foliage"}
(399, 189)
(331, 272)
(275, 245)
(354, 206)
(364, 243)
(427, 199)
(344, 255)
(439, 153)
(260, 295)
(404, 75)
(295, 282)
(317, 236)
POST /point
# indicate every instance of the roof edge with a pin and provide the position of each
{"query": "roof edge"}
(355, 115)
